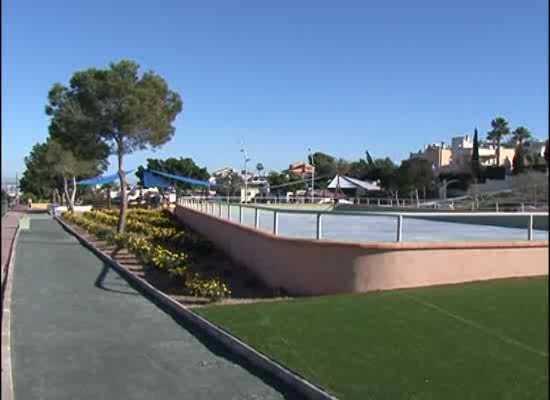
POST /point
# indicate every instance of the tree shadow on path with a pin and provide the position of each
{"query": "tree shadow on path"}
(222, 351)
(100, 281)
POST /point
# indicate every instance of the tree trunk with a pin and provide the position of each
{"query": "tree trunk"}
(109, 197)
(66, 193)
(123, 199)
(498, 152)
(73, 194)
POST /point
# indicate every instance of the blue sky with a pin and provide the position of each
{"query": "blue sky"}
(339, 77)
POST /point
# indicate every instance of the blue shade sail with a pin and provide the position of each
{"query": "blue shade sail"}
(182, 178)
(101, 180)
(152, 180)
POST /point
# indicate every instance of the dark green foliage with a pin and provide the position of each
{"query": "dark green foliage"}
(493, 172)
(231, 184)
(178, 166)
(370, 161)
(414, 174)
(38, 178)
(520, 135)
(118, 108)
(383, 170)
(464, 179)
(275, 178)
(476, 165)
(325, 166)
(518, 163)
(498, 132)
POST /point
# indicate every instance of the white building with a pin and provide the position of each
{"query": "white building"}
(359, 187)
(254, 187)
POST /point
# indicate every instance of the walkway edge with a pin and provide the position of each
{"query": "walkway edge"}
(232, 343)
(7, 375)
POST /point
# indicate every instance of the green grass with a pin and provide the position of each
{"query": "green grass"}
(486, 340)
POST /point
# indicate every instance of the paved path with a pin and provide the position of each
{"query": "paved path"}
(79, 331)
(9, 225)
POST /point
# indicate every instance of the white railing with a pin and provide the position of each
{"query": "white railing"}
(458, 203)
(215, 208)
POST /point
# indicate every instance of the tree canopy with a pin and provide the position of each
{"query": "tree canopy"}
(117, 108)
(521, 134)
(37, 178)
(476, 165)
(178, 166)
(518, 163)
(499, 130)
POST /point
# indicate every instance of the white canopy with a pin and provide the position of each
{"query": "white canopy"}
(345, 182)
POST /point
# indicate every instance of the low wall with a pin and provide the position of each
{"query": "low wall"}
(39, 206)
(303, 266)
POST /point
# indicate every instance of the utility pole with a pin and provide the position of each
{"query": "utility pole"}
(16, 189)
(246, 160)
(312, 176)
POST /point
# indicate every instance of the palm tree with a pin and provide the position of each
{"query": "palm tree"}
(499, 130)
(260, 168)
(520, 135)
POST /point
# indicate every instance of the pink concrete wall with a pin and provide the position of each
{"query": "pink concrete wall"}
(303, 266)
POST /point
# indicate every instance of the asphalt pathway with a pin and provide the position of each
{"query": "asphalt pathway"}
(79, 331)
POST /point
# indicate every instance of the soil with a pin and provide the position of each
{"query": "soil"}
(245, 287)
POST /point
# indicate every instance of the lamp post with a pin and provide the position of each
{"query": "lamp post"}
(312, 176)
(246, 160)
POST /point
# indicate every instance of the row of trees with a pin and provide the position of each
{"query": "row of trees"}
(500, 130)
(410, 177)
(102, 112)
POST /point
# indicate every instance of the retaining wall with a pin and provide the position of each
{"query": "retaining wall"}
(303, 266)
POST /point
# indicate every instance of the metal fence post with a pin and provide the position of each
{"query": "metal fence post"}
(319, 232)
(220, 210)
(378, 202)
(240, 214)
(522, 207)
(496, 206)
(399, 227)
(229, 212)
(256, 218)
(530, 228)
(275, 223)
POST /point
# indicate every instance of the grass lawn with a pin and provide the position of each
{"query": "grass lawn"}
(485, 340)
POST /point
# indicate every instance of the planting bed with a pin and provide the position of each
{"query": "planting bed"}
(158, 248)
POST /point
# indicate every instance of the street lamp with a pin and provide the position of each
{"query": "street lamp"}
(312, 175)
(246, 160)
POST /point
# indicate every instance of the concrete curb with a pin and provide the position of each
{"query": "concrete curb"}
(7, 375)
(230, 342)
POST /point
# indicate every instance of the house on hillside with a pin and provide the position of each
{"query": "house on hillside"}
(256, 187)
(301, 168)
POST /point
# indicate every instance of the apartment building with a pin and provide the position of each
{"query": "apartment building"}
(458, 156)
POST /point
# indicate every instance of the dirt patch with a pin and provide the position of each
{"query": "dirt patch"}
(244, 286)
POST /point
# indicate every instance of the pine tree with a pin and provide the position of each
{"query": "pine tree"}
(476, 166)
(518, 163)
